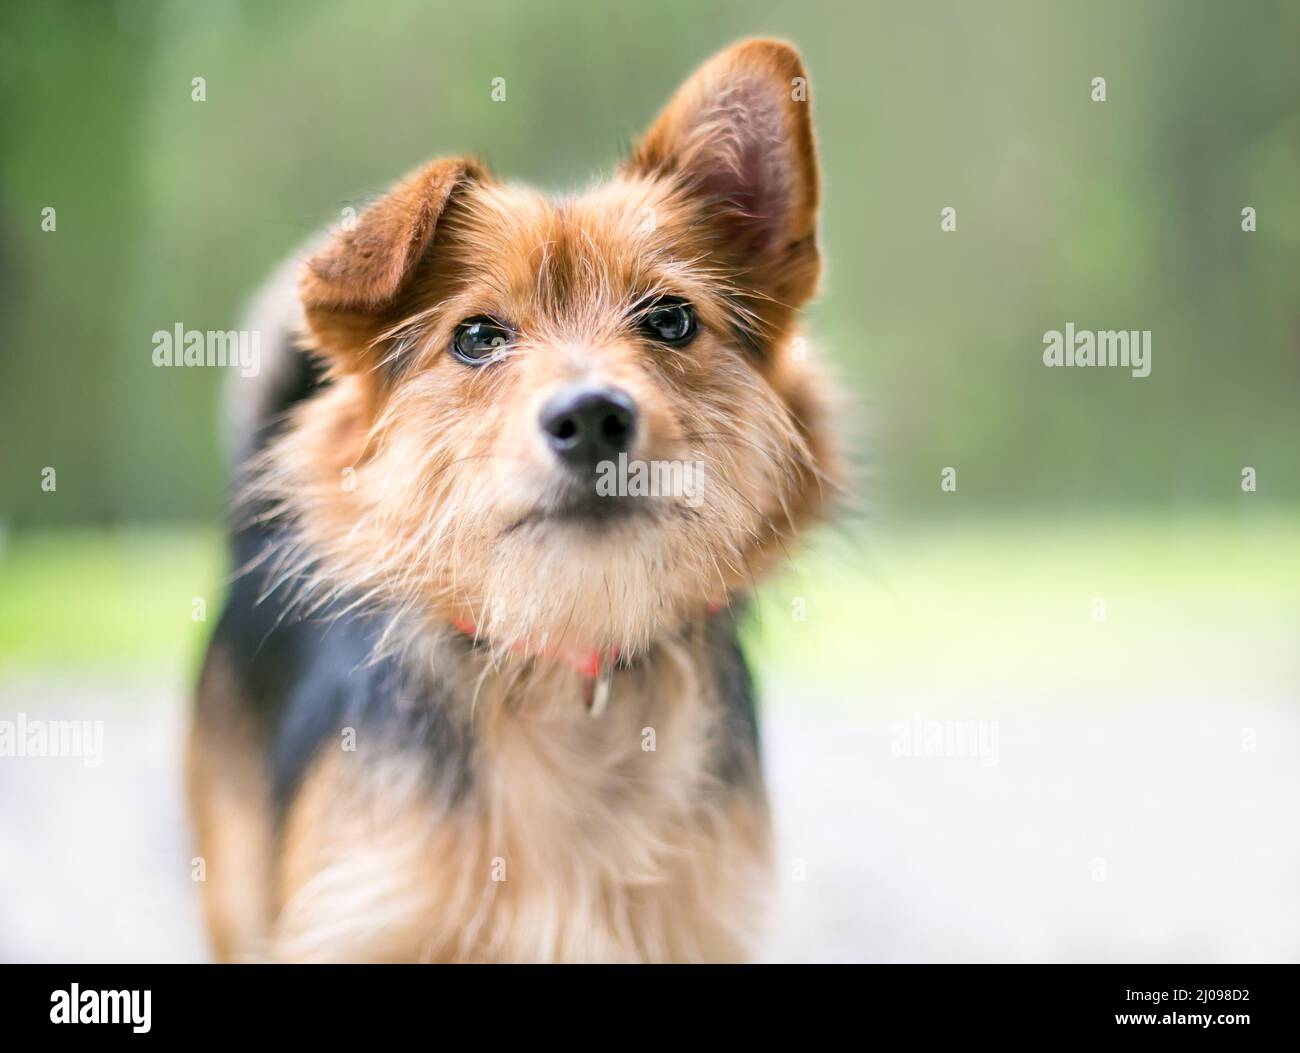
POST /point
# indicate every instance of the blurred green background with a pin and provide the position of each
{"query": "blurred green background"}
(1117, 215)
(1122, 214)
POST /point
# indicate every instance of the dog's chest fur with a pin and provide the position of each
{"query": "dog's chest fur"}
(444, 808)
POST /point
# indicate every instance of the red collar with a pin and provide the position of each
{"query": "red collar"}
(595, 665)
(586, 662)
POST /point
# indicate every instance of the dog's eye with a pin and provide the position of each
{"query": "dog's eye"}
(477, 339)
(668, 320)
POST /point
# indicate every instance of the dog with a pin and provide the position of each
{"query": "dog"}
(471, 699)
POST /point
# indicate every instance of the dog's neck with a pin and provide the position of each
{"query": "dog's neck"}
(594, 665)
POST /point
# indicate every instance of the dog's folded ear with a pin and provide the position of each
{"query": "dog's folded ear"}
(738, 133)
(350, 288)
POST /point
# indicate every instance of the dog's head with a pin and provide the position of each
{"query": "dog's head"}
(583, 420)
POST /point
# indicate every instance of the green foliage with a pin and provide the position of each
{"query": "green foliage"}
(1123, 214)
(1009, 606)
(121, 602)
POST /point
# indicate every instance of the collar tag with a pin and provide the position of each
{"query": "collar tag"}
(598, 689)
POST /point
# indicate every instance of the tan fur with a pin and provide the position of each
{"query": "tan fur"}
(414, 484)
(230, 810)
(578, 844)
(465, 442)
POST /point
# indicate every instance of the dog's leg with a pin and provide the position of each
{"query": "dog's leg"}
(231, 810)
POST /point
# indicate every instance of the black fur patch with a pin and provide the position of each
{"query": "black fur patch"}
(736, 757)
(306, 679)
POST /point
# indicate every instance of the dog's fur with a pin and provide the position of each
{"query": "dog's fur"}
(484, 813)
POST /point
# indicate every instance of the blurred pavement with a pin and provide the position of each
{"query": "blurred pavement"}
(1133, 832)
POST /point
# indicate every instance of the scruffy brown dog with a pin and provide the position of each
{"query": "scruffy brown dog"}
(470, 699)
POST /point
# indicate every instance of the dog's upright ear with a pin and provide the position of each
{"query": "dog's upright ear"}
(738, 137)
(351, 288)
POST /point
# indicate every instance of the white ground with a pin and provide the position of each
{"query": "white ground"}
(1143, 831)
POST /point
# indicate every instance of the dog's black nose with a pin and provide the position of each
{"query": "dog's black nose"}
(587, 425)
